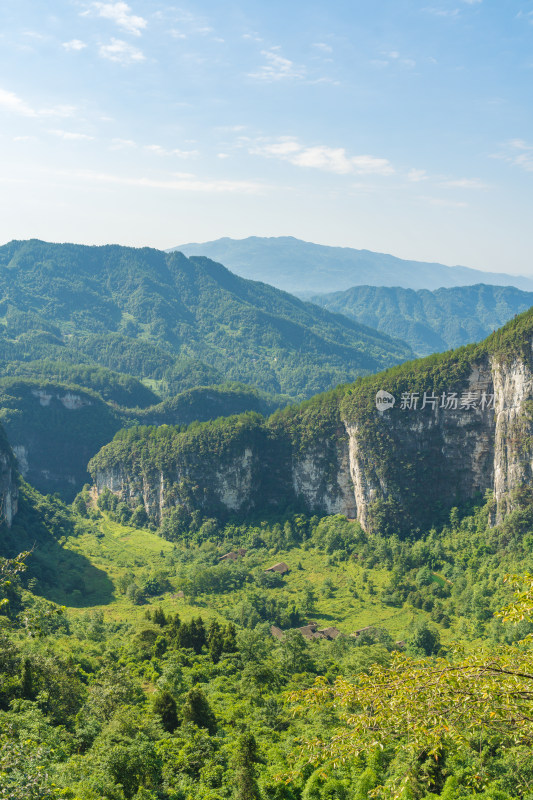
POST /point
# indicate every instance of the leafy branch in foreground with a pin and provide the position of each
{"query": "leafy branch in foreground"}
(9, 569)
(430, 707)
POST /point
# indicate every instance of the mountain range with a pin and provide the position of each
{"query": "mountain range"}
(430, 321)
(175, 321)
(306, 268)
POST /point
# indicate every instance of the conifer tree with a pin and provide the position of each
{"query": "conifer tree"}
(165, 707)
(197, 710)
(246, 787)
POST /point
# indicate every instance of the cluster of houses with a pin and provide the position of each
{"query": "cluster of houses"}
(312, 631)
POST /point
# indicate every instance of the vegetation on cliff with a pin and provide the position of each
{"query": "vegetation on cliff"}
(57, 426)
(420, 464)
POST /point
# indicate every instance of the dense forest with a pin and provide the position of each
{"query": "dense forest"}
(430, 322)
(178, 322)
(139, 664)
(199, 651)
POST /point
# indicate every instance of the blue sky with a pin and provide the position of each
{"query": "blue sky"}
(397, 126)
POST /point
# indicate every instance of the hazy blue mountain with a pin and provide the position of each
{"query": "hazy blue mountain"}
(303, 267)
(430, 322)
(162, 317)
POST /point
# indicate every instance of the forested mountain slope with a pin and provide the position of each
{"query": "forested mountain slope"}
(164, 317)
(55, 427)
(430, 322)
(447, 428)
(305, 267)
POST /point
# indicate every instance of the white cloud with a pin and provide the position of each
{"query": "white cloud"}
(62, 111)
(121, 52)
(11, 102)
(472, 2)
(120, 14)
(518, 153)
(189, 183)
(417, 175)
(122, 144)
(443, 203)
(277, 68)
(181, 24)
(465, 183)
(223, 155)
(161, 151)
(323, 47)
(74, 44)
(328, 159)
(71, 136)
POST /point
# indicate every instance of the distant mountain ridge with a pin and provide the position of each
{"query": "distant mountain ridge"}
(304, 267)
(158, 316)
(430, 322)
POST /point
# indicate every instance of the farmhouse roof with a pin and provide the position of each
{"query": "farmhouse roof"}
(281, 567)
(233, 555)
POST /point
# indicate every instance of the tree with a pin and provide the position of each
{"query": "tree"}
(197, 710)
(165, 707)
(424, 639)
(295, 655)
(431, 707)
(215, 641)
(246, 787)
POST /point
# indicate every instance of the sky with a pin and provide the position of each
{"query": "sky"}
(396, 126)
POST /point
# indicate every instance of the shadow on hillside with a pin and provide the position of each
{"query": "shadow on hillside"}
(73, 580)
(69, 578)
(61, 575)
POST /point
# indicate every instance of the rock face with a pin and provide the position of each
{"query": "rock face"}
(8, 482)
(457, 425)
(54, 431)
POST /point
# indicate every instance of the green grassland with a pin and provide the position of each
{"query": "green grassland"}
(347, 594)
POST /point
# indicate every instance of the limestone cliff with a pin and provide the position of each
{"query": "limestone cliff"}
(396, 450)
(8, 482)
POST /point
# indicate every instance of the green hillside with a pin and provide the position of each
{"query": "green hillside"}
(57, 426)
(164, 317)
(430, 322)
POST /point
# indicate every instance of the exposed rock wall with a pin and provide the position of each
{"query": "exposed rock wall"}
(449, 437)
(8, 482)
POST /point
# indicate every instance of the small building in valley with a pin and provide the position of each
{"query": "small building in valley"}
(309, 631)
(282, 568)
(233, 555)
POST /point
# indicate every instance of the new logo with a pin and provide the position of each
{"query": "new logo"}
(384, 400)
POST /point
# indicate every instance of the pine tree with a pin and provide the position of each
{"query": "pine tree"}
(27, 688)
(246, 787)
(159, 617)
(165, 707)
(197, 710)
(230, 639)
(215, 641)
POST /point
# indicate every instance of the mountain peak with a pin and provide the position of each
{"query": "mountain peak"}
(305, 268)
